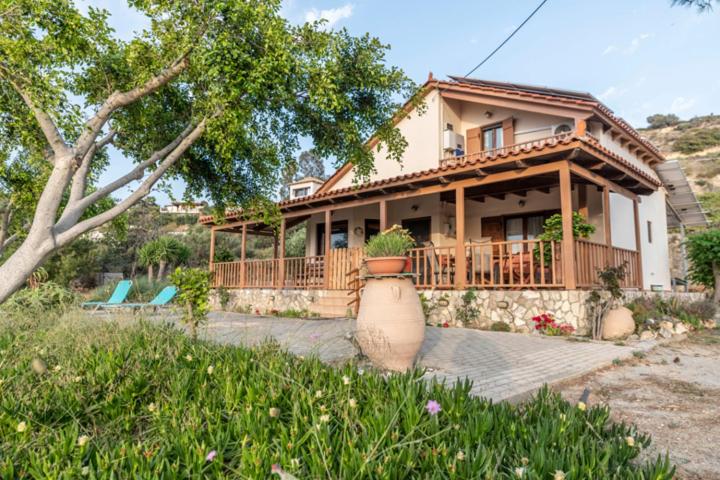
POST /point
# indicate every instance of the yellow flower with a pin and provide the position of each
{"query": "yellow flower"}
(524, 460)
(346, 380)
(21, 427)
(559, 475)
(152, 407)
(318, 393)
(82, 440)
(323, 408)
(274, 412)
(581, 406)
(630, 441)
(460, 455)
(188, 357)
(352, 402)
(210, 370)
(325, 418)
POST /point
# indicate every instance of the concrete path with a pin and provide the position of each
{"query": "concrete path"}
(502, 366)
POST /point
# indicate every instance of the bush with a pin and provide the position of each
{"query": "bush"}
(46, 298)
(193, 286)
(138, 400)
(656, 308)
(500, 327)
(697, 140)
(393, 242)
(660, 121)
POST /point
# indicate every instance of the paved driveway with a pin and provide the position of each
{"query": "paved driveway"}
(501, 365)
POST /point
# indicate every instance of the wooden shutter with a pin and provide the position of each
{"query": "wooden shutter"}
(508, 127)
(493, 227)
(473, 140)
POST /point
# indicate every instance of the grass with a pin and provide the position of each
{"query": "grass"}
(111, 399)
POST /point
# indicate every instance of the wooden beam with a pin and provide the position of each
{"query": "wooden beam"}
(580, 127)
(568, 241)
(638, 242)
(597, 166)
(499, 196)
(460, 257)
(383, 215)
(328, 235)
(243, 254)
(281, 266)
(606, 216)
(212, 248)
(599, 180)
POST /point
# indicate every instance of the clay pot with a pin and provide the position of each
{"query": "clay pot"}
(618, 324)
(390, 323)
(385, 265)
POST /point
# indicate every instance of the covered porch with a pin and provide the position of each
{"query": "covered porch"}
(488, 209)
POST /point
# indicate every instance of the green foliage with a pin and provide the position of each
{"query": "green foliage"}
(660, 121)
(603, 299)
(223, 297)
(704, 254)
(500, 327)
(151, 407)
(193, 295)
(295, 241)
(47, 298)
(142, 291)
(697, 140)
(468, 310)
(294, 313)
(553, 231)
(393, 242)
(711, 204)
(658, 308)
(165, 250)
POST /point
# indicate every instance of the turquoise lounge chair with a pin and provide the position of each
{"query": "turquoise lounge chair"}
(118, 296)
(162, 299)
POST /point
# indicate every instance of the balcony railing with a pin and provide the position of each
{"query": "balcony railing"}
(519, 264)
(480, 157)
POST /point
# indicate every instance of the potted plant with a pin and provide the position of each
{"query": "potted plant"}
(387, 251)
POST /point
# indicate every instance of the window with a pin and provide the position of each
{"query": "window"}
(372, 228)
(492, 137)
(649, 228)
(338, 237)
(419, 229)
(301, 192)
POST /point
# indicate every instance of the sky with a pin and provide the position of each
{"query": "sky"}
(639, 57)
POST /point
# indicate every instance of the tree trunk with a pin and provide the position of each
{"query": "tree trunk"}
(150, 273)
(161, 270)
(15, 271)
(716, 272)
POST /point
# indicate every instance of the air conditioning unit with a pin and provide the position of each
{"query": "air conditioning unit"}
(453, 141)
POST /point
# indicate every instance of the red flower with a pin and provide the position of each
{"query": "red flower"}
(446, 325)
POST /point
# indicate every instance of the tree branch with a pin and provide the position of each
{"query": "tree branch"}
(181, 144)
(121, 99)
(79, 181)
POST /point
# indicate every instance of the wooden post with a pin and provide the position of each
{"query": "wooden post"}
(580, 127)
(243, 245)
(460, 258)
(383, 215)
(568, 241)
(607, 228)
(638, 243)
(212, 248)
(328, 234)
(281, 261)
(583, 201)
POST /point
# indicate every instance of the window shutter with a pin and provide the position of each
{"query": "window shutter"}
(473, 140)
(508, 127)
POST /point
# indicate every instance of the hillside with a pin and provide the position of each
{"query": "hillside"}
(695, 143)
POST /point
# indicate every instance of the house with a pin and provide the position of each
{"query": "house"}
(305, 186)
(184, 208)
(486, 164)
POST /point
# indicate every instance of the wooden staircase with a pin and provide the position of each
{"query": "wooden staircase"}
(332, 304)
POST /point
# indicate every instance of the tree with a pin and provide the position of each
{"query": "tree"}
(660, 121)
(162, 252)
(704, 254)
(308, 164)
(701, 5)
(217, 92)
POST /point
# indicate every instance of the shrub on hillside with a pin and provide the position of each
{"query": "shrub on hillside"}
(697, 140)
(144, 401)
(660, 120)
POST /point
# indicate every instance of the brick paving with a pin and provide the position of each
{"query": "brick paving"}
(502, 366)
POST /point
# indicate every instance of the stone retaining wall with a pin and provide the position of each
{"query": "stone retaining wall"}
(250, 300)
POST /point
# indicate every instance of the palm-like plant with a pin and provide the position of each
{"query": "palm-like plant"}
(162, 252)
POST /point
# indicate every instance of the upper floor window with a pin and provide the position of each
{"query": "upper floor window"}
(492, 137)
(301, 192)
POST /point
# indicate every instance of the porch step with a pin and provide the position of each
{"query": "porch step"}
(332, 303)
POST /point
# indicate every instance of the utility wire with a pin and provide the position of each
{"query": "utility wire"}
(537, 9)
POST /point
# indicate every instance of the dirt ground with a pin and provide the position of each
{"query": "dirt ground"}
(671, 393)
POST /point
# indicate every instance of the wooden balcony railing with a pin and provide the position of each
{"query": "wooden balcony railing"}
(513, 264)
(590, 257)
(516, 147)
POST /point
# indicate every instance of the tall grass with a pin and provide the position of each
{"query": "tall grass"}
(124, 399)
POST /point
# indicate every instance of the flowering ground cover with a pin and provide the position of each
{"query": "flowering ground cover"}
(90, 398)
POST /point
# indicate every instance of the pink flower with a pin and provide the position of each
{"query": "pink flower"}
(433, 407)
(211, 456)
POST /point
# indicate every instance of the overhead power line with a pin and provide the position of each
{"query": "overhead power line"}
(532, 14)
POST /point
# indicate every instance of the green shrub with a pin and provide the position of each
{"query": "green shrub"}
(223, 297)
(146, 403)
(47, 298)
(468, 311)
(657, 307)
(295, 313)
(697, 140)
(393, 242)
(193, 286)
(500, 327)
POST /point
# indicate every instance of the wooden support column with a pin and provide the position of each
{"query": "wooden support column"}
(212, 248)
(638, 243)
(568, 241)
(580, 127)
(583, 201)
(281, 256)
(607, 228)
(383, 215)
(460, 258)
(243, 245)
(328, 234)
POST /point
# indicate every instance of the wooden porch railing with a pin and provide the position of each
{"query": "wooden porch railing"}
(474, 157)
(433, 267)
(304, 272)
(514, 264)
(591, 257)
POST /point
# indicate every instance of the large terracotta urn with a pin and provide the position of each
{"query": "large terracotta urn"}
(390, 322)
(618, 324)
(385, 265)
